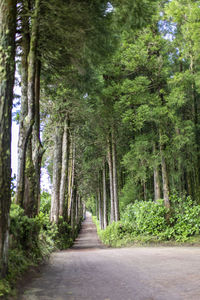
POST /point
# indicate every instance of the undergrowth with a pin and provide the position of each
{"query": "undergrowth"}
(31, 242)
(147, 222)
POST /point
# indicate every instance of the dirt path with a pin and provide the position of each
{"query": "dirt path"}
(90, 271)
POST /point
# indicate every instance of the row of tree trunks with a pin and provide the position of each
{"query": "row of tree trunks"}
(65, 200)
(7, 66)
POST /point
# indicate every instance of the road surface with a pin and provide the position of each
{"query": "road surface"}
(89, 271)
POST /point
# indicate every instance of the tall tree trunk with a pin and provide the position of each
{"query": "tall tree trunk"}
(164, 178)
(105, 217)
(157, 194)
(37, 145)
(31, 179)
(24, 129)
(29, 204)
(73, 209)
(112, 207)
(57, 163)
(71, 176)
(97, 206)
(100, 207)
(115, 188)
(7, 66)
(64, 172)
(29, 162)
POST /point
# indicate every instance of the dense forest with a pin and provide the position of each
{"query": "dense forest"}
(109, 105)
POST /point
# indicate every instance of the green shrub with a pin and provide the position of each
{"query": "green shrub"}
(63, 235)
(24, 231)
(146, 217)
(31, 241)
(146, 221)
(5, 288)
(45, 202)
(185, 217)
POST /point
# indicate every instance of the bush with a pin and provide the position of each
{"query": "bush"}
(45, 202)
(24, 231)
(146, 221)
(185, 217)
(63, 236)
(5, 288)
(146, 217)
(32, 240)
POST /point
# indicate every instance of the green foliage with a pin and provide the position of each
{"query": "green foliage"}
(45, 202)
(63, 235)
(185, 218)
(32, 240)
(5, 288)
(24, 231)
(146, 221)
(91, 205)
(146, 217)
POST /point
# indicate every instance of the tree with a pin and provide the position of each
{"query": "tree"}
(7, 67)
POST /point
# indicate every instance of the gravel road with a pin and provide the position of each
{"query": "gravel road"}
(89, 271)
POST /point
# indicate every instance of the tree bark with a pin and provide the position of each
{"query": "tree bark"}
(100, 207)
(112, 208)
(64, 172)
(57, 163)
(157, 194)
(71, 176)
(7, 66)
(164, 178)
(30, 169)
(30, 156)
(37, 145)
(115, 188)
(24, 130)
(29, 203)
(105, 217)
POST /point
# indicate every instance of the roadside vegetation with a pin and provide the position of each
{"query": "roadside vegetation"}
(32, 240)
(148, 222)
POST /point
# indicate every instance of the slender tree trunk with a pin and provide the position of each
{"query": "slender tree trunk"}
(64, 172)
(100, 207)
(115, 188)
(112, 207)
(157, 194)
(77, 208)
(97, 205)
(71, 177)
(73, 209)
(37, 145)
(30, 193)
(164, 178)
(7, 66)
(105, 217)
(57, 163)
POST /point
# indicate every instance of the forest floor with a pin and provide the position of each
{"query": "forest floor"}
(91, 271)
